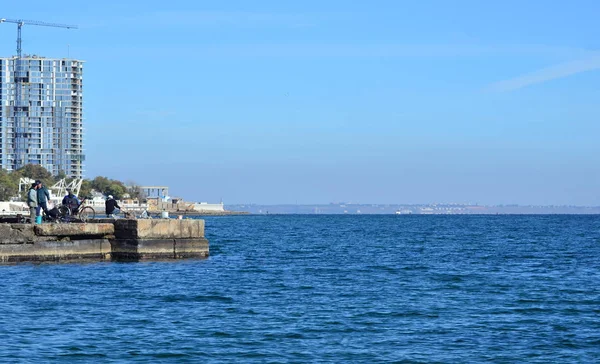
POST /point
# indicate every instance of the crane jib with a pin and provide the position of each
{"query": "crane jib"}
(22, 22)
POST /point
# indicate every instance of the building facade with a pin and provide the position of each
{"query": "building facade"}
(41, 118)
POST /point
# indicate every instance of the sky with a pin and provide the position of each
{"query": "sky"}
(310, 102)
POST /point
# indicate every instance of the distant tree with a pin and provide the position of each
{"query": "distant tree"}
(135, 191)
(9, 185)
(86, 189)
(117, 189)
(37, 172)
(108, 186)
(100, 184)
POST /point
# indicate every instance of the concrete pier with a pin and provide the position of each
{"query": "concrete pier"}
(120, 240)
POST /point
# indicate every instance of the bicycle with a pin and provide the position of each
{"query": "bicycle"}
(81, 213)
(59, 214)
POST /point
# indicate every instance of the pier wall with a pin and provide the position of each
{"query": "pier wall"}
(120, 240)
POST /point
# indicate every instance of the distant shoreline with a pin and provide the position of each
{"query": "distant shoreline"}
(200, 213)
(419, 215)
(432, 209)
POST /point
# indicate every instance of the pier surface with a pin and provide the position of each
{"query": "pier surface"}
(119, 240)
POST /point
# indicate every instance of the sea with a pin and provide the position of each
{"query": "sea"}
(325, 289)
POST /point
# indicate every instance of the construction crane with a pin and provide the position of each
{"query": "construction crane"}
(21, 111)
(21, 22)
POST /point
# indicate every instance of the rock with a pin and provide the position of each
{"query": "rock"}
(16, 233)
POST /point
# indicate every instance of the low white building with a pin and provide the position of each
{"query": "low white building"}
(209, 207)
(13, 208)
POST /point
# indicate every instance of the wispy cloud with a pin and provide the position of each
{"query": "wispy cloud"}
(589, 63)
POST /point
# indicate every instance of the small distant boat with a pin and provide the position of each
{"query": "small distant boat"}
(403, 212)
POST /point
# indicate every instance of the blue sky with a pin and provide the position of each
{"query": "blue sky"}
(322, 101)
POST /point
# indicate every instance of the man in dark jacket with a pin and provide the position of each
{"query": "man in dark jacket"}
(111, 206)
(42, 196)
(71, 201)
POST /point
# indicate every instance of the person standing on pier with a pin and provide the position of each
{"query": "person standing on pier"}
(32, 202)
(111, 206)
(42, 197)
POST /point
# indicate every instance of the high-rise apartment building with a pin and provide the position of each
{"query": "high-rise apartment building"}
(41, 114)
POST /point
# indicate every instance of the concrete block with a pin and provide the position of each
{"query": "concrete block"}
(74, 230)
(191, 248)
(138, 246)
(126, 240)
(142, 249)
(41, 251)
(158, 249)
(159, 229)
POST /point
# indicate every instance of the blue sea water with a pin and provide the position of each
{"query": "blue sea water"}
(407, 289)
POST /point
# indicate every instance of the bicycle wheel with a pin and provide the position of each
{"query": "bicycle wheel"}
(87, 213)
(64, 214)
